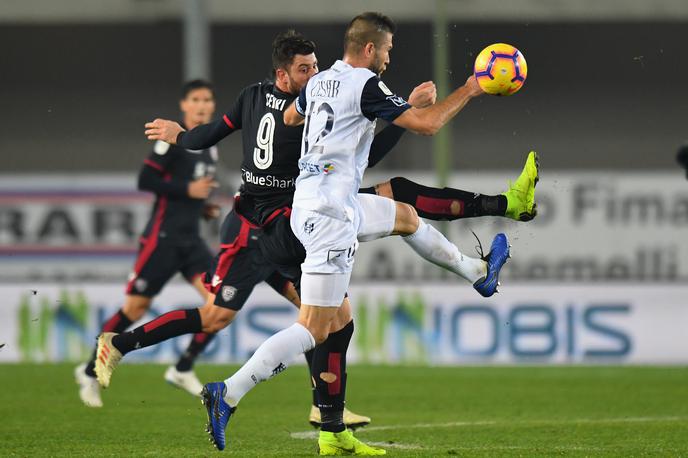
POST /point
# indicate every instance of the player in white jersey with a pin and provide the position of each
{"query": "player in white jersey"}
(340, 106)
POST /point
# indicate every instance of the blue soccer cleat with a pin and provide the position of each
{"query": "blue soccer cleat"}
(213, 397)
(496, 258)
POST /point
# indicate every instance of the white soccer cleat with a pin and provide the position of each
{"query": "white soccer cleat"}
(89, 389)
(351, 420)
(187, 381)
(107, 358)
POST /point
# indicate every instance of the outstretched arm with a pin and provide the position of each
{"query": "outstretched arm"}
(428, 121)
(201, 137)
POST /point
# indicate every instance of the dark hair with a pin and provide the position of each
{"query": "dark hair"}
(196, 84)
(288, 44)
(367, 28)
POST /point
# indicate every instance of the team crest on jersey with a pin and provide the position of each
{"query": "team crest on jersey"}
(140, 284)
(228, 293)
(327, 168)
(396, 100)
(308, 227)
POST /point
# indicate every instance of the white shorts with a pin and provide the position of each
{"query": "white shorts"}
(330, 245)
(377, 218)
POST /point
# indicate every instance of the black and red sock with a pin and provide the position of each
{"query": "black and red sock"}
(329, 373)
(166, 326)
(446, 203)
(199, 343)
(117, 323)
(309, 360)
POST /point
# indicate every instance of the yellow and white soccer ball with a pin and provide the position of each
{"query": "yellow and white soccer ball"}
(500, 69)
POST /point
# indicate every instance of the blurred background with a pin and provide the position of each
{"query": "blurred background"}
(599, 277)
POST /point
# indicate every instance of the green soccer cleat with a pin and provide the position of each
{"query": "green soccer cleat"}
(344, 443)
(520, 197)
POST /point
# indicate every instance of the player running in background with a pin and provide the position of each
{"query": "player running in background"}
(340, 107)
(181, 180)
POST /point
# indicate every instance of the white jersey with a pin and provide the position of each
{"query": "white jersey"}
(341, 106)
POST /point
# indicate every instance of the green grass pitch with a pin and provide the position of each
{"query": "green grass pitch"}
(466, 411)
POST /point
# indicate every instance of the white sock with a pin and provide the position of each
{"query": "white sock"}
(271, 358)
(434, 247)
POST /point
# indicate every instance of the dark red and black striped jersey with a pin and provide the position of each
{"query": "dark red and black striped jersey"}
(167, 172)
(271, 149)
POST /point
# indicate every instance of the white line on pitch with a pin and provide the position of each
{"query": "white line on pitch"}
(314, 434)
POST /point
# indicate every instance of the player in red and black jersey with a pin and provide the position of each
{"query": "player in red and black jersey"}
(181, 180)
(269, 169)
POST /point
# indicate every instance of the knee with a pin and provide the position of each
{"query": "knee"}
(135, 307)
(319, 333)
(215, 319)
(406, 221)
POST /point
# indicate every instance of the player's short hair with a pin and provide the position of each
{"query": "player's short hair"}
(196, 84)
(369, 27)
(288, 44)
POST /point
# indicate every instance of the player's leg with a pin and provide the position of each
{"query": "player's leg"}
(329, 374)
(429, 243)
(330, 249)
(438, 204)
(198, 260)
(282, 285)
(153, 268)
(237, 270)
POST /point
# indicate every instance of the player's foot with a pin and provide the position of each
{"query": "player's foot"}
(89, 390)
(351, 420)
(496, 258)
(213, 397)
(107, 358)
(344, 443)
(520, 197)
(187, 381)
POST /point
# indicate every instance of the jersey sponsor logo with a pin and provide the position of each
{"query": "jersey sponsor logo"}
(269, 181)
(383, 87)
(326, 88)
(228, 293)
(314, 168)
(161, 147)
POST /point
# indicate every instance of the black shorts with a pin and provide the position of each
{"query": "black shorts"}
(240, 265)
(159, 259)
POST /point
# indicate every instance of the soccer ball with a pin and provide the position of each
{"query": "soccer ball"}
(500, 69)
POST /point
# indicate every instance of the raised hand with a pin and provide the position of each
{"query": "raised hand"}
(163, 129)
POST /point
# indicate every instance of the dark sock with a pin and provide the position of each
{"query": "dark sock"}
(329, 373)
(309, 360)
(166, 326)
(446, 203)
(117, 323)
(199, 342)
(368, 190)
